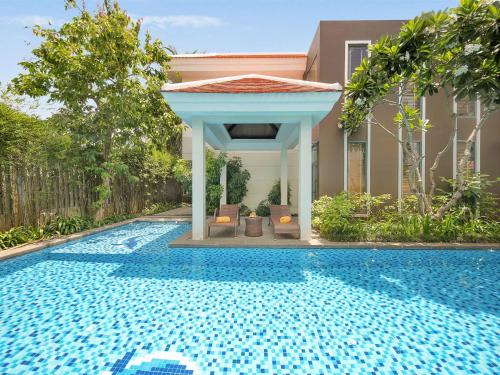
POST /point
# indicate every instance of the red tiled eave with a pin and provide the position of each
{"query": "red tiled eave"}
(251, 84)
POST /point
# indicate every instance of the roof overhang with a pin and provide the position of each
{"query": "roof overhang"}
(311, 100)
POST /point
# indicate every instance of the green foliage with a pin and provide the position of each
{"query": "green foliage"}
(263, 208)
(455, 51)
(18, 235)
(476, 197)
(107, 78)
(214, 189)
(273, 197)
(335, 219)
(244, 210)
(156, 208)
(62, 225)
(237, 179)
(28, 140)
(183, 175)
(457, 48)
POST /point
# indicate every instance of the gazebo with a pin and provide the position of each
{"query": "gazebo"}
(252, 112)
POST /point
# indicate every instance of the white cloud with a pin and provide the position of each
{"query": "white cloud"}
(181, 21)
(161, 22)
(29, 20)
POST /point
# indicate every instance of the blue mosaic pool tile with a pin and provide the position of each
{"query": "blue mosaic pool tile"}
(95, 305)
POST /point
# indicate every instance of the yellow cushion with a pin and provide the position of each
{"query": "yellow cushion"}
(285, 219)
(222, 219)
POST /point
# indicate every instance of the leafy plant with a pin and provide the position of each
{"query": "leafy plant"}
(273, 197)
(61, 225)
(106, 77)
(335, 219)
(244, 210)
(237, 179)
(18, 235)
(263, 208)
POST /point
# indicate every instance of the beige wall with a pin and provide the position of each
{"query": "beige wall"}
(264, 168)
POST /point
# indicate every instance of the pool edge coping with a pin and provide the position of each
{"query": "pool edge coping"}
(31, 247)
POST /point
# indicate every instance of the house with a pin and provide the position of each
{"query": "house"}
(369, 160)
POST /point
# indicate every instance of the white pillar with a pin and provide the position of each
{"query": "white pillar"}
(223, 183)
(305, 178)
(284, 175)
(198, 188)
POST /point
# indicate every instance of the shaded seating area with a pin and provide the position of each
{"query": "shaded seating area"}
(281, 221)
(227, 216)
(252, 112)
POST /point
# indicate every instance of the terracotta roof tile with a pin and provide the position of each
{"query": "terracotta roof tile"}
(251, 84)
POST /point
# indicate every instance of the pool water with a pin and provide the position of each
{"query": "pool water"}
(122, 302)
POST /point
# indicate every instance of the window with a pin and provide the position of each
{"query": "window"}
(356, 167)
(466, 108)
(471, 164)
(355, 54)
(315, 170)
(409, 177)
(410, 99)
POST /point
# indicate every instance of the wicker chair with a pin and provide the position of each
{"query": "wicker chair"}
(277, 211)
(231, 210)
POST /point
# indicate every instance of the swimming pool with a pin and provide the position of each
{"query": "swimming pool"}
(121, 302)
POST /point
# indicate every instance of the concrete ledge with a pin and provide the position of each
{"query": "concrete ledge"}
(241, 241)
(225, 239)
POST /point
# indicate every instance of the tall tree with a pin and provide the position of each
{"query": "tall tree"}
(456, 51)
(107, 79)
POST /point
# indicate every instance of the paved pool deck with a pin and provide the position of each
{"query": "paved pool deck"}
(224, 238)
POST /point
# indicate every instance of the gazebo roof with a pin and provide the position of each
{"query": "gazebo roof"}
(251, 84)
(252, 111)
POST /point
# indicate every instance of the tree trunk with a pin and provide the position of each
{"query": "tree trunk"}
(461, 184)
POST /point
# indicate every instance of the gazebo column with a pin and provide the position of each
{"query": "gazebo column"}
(198, 188)
(223, 183)
(305, 178)
(284, 175)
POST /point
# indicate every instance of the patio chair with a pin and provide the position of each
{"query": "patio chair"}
(230, 210)
(276, 213)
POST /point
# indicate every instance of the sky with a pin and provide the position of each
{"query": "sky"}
(206, 25)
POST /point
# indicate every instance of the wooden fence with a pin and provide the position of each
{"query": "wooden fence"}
(33, 196)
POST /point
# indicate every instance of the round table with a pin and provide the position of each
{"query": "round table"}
(253, 226)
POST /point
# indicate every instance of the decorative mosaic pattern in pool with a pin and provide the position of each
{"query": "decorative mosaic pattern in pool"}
(121, 295)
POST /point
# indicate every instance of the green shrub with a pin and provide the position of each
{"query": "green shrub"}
(244, 210)
(334, 218)
(273, 197)
(237, 179)
(62, 225)
(263, 208)
(18, 235)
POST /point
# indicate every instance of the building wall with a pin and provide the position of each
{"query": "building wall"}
(383, 157)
